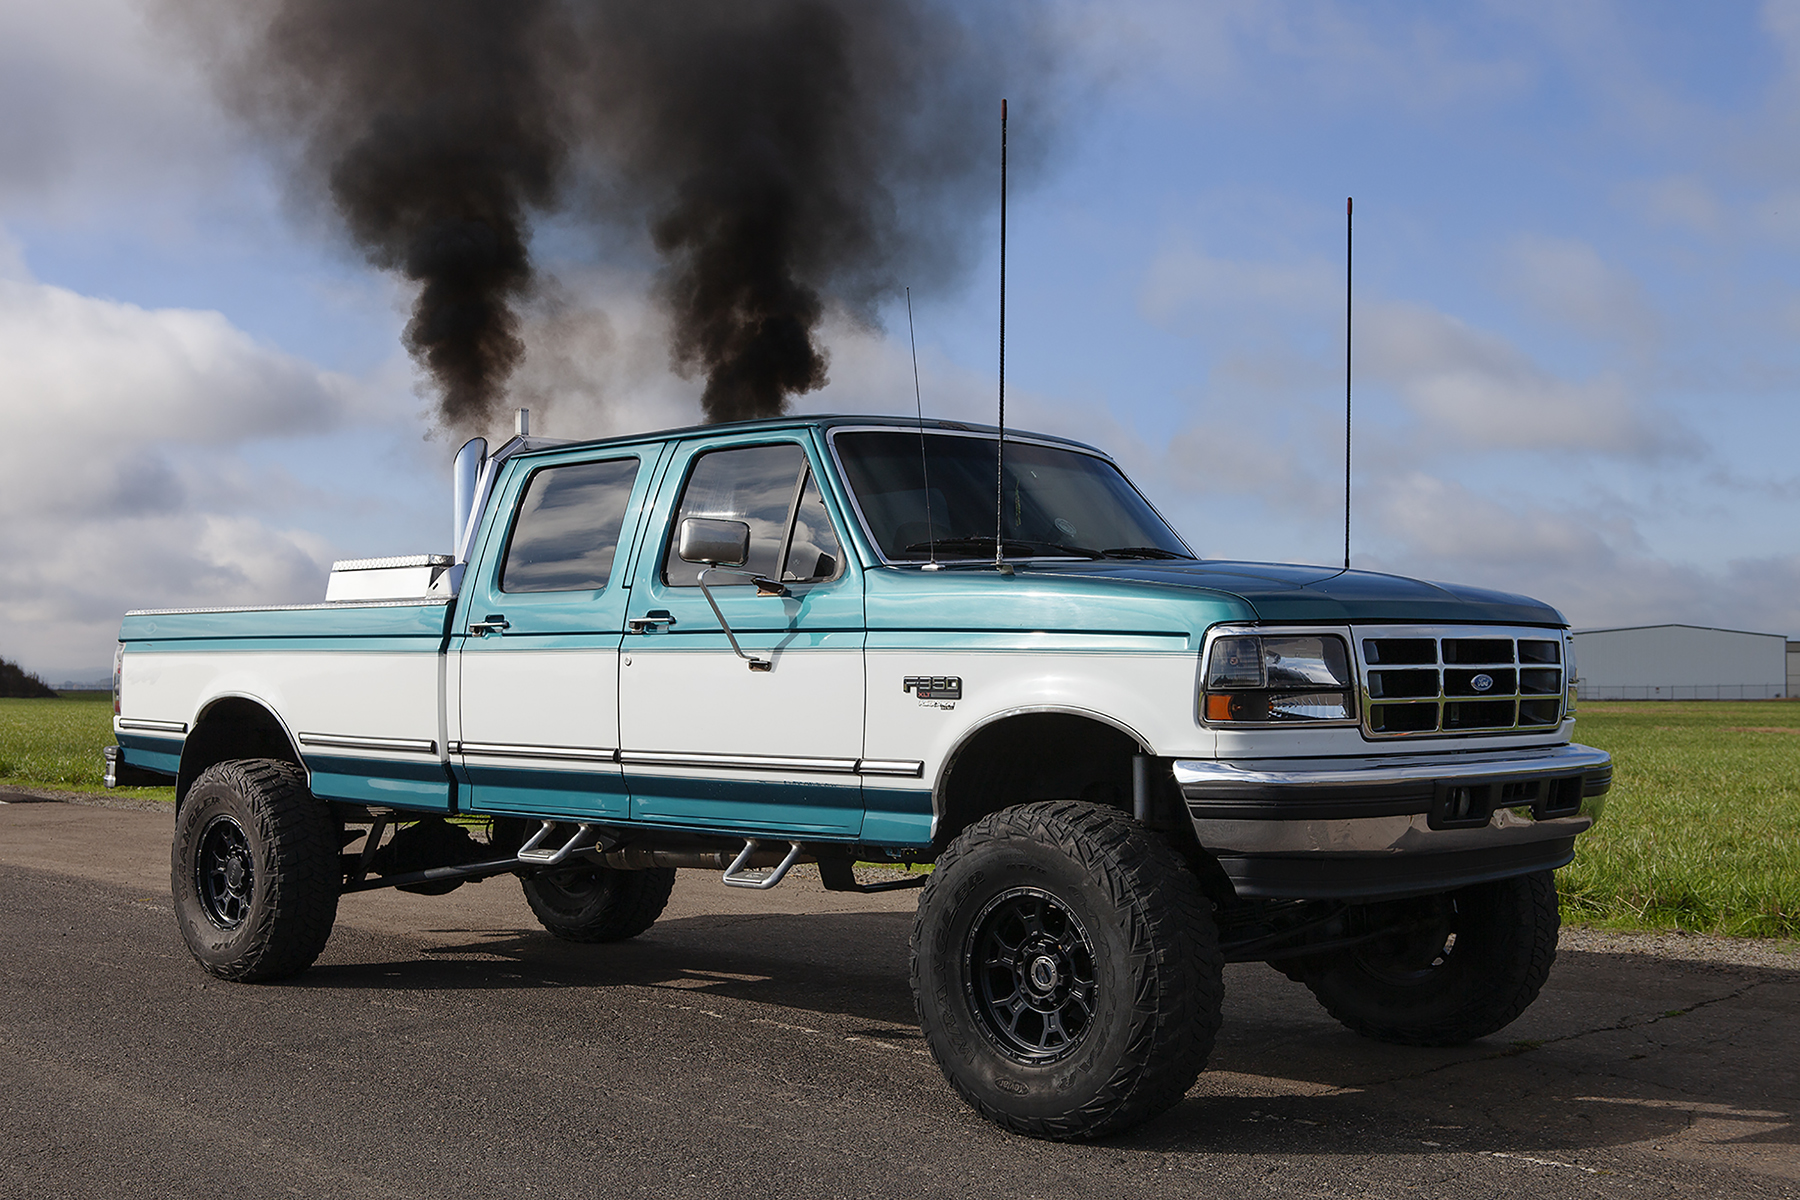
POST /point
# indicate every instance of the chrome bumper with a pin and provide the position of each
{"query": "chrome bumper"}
(1392, 825)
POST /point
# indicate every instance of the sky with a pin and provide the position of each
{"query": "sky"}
(1576, 342)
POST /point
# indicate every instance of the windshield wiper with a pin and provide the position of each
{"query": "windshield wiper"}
(1142, 552)
(978, 541)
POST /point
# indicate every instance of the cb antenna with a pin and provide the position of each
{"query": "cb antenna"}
(924, 467)
(1000, 446)
(1349, 216)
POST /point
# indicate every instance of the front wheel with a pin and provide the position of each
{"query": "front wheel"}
(1066, 970)
(254, 870)
(1456, 967)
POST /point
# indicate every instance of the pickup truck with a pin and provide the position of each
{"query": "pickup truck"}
(851, 640)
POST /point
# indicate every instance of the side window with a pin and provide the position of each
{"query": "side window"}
(760, 485)
(567, 530)
(813, 551)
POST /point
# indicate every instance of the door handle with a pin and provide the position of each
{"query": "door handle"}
(650, 621)
(495, 623)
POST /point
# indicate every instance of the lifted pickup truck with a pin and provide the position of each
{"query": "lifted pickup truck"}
(743, 647)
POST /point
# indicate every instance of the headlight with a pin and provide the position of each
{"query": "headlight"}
(1258, 679)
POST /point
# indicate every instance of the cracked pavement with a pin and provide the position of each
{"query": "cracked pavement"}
(765, 1042)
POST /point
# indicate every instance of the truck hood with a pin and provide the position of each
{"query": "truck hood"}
(1288, 592)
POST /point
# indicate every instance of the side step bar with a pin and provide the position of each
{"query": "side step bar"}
(739, 876)
(533, 852)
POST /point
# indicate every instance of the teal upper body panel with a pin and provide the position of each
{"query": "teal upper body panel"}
(967, 600)
(1286, 593)
(1164, 598)
(370, 625)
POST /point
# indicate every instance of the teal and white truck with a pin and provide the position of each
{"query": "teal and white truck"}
(843, 640)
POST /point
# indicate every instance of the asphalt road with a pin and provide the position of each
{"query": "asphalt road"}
(764, 1045)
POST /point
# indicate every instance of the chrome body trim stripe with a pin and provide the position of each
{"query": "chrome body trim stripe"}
(408, 602)
(337, 741)
(588, 754)
(739, 762)
(150, 726)
(1198, 774)
(905, 768)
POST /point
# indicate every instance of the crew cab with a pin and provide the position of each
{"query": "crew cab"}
(849, 640)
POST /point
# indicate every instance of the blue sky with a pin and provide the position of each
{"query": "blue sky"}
(1577, 242)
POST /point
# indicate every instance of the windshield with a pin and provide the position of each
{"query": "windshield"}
(1056, 502)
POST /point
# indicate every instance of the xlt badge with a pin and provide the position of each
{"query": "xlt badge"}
(933, 687)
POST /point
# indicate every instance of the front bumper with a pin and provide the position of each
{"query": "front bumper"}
(1392, 825)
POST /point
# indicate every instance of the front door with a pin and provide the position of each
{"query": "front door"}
(705, 740)
(539, 661)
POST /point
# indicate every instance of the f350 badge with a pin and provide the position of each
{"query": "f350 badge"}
(933, 687)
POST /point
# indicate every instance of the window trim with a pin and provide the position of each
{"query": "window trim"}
(518, 510)
(807, 472)
(1048, 443)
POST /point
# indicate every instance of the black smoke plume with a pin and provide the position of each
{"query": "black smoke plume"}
(778, 158)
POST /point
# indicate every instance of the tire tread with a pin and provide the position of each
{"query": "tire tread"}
(293, 923)
(1170, 924)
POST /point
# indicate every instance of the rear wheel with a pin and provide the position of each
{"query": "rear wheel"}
(254, 870)
(1458, 966)
(1066, 970)
(598, 904)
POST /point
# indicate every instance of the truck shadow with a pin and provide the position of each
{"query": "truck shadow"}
(852, 964)
(1620, 1049)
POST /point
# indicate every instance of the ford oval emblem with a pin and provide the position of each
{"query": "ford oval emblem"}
(1482, 683)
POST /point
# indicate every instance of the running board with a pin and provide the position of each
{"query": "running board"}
(738, 874)
(533, 852)
(839, 875)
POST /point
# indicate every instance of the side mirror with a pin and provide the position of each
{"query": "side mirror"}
(714, 542)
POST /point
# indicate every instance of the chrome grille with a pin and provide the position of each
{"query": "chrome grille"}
(1457, 680)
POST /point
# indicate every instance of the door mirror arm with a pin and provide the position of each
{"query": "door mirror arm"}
(720, 545)
(756, 664)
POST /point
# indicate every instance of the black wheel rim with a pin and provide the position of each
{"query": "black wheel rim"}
(224, 872)
(1416, 951)
(1030, 976)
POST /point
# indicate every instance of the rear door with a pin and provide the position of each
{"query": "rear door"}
(705, 740)
(539, 638)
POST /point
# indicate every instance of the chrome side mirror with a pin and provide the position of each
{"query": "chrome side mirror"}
(714, 542)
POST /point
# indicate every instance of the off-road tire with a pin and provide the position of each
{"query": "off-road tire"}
(598, 904)
(254, 870)
(1118, 918)
(1418, 991)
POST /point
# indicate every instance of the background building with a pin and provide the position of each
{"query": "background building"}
(1683, 662)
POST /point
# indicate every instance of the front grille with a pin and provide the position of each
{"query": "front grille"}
(1460, 681)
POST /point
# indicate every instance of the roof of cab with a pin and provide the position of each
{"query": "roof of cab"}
(821, 421)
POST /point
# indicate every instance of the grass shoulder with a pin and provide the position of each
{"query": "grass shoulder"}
(1702, 827)
(54, 744)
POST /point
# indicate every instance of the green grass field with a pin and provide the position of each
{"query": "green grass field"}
(1702, 829)
(56, 744)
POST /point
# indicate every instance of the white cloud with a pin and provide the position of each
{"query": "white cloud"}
(99, 106)
(1481, 389)
(1277, 49)
(122, 476)
(1681, 201)
(1598, 569)
(1183, 279)
(100, 369)
(1569, 282)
